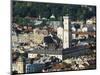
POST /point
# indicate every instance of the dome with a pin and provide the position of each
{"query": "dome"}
(52, 16)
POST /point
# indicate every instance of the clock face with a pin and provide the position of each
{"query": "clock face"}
(66, 23)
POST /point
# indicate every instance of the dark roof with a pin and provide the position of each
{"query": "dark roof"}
(49, 39)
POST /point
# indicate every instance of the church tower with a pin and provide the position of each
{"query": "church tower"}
(20, 65)
(66, 32)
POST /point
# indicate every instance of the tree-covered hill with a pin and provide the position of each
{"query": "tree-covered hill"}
(36, 9)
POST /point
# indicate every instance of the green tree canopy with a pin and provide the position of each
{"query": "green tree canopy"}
(34, 9)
